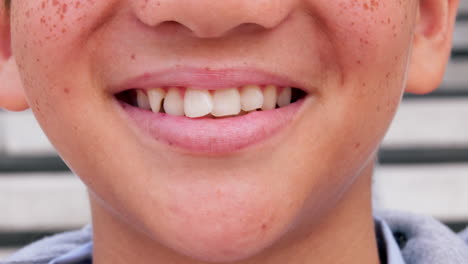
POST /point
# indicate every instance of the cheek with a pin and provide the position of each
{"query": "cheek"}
(50, 46)
(367, 31)
(50, 36)
(372, 42)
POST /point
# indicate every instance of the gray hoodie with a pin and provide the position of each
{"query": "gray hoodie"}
(422, 240)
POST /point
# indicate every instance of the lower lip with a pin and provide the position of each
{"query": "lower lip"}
(208, 135)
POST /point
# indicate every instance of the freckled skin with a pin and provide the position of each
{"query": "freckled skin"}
(284, 201)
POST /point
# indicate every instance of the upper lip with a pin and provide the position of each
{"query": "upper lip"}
(205, 78)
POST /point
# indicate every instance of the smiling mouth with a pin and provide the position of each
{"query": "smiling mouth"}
(199, 111)
(215, 104)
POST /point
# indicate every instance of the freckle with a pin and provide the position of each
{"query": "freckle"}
(357, 145)
(133, 56)
(264, 226)
(66, 90)
(358, 62)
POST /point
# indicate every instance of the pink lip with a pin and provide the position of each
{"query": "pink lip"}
(207, 135)
(205, 79)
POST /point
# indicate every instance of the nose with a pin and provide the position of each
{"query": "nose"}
(213, 18)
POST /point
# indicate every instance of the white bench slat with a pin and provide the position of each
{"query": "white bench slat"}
(463, 6)
(456, 76)
(460, 36)
(430, 122)
(22, 135)
(42, 202)
(437, 190)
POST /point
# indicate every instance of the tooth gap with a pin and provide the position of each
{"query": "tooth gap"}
(162, 110)
(297, 94)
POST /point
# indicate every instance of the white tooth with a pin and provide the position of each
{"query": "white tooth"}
(270, 96)
(142, 100)
(284, 98)
(226, 102)
(156, 96)
(251, 97)
(197, 103)
(174, 103)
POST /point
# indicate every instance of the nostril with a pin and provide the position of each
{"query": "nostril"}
(172, 26)
(249, 28)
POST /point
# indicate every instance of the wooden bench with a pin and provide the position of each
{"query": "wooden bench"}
(423, 162)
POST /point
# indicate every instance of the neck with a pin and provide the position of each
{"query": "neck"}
(344, 234)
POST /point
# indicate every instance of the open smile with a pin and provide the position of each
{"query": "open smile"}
(210, 114)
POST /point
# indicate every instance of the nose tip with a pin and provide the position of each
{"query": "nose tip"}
(211, 18)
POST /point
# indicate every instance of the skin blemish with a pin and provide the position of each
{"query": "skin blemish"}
(66, 90)
(264, 227)
(133, 56)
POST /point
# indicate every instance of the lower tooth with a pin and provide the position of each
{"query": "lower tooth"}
(284, 98)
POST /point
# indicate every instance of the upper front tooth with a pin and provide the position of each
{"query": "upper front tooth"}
(174, 103)
(156, 96)
(142, 100)
(284, 98)
(251, 98)
(270, 96)
(226, 102)
(197, 103)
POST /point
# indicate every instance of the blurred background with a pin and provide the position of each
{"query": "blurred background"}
(423, 163)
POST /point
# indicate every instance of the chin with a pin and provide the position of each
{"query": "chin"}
(220, 225)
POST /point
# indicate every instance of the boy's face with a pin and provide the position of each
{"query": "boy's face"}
(351, 57)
